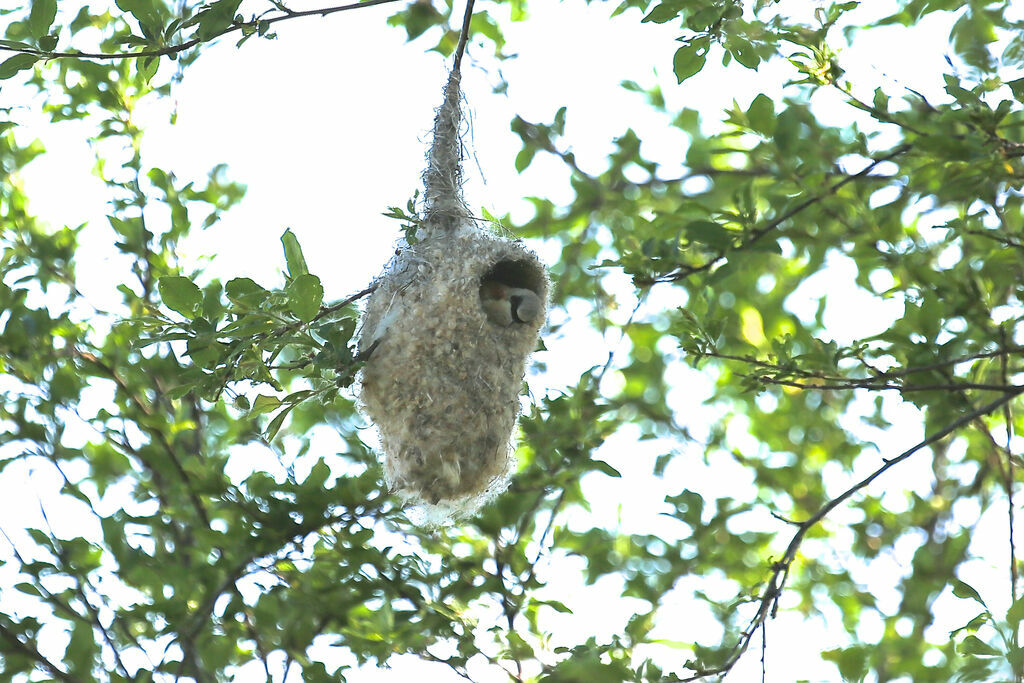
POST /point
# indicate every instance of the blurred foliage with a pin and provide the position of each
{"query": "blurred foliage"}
(182, 571)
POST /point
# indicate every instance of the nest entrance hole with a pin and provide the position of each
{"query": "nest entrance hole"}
(513, 273)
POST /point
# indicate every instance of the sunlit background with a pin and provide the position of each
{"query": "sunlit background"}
(328, 160)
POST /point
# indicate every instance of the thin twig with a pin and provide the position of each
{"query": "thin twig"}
(1010, 476)
(764, 650)
(555, 508)
(622, 336)
(463, 36)
(1006, 241)
(261, 650)
(459, 670)
(877, 113)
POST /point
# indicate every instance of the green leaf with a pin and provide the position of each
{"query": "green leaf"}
(605, 468)
(318, 475)
(180, 295)
(973, 645)
(265, 404)
(762, 114)
(744, 52)
(305, 295)
(28, 589)
(417, 19)
(82, 647)
(518, 10)
(970, 36)
(181, 390)
(663, 13)
(17, 63)
(852, 662)
(1017, 88)
(558, 125)
(48, 43)
(711, 234)
(957, 91)
(41, 17)
(15, 45)
(880, 101)
(245, 292)
(1013, 53)
(1015, 614)
(216, 18)
(974, 624)
(147, 67)
(275, 425)
(524, 158)
(556, 605)
(293, 254)
(689, 506)
(764, 246)
(965, 591)
(143, 10)
(688, 60)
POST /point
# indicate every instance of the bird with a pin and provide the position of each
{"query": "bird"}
(505, 305)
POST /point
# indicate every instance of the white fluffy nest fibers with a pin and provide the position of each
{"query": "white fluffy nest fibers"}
(444, 372)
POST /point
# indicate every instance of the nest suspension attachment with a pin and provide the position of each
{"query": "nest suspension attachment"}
(448, 329)
(443, 205)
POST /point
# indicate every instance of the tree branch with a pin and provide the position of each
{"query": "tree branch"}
(768, 604)
(711, 172)
(878, 381)
(454, 666)
(1009, 479)
(199, 617)
(93, 617)
(181, 47)
(1006, 241)
(508, 607)
(873, 385)
(146, 409)
(324, 312)
(30, 651)
(757, 234)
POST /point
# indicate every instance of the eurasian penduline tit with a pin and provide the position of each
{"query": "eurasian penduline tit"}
(505, 305)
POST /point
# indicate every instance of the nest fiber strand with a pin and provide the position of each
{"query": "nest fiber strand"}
(442, 382)
(444, 207)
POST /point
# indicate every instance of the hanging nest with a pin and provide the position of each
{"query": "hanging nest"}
(448, 330)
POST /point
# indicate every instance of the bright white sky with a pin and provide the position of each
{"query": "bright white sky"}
(328, 124)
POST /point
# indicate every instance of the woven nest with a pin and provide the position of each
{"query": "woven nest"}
(443, 377)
